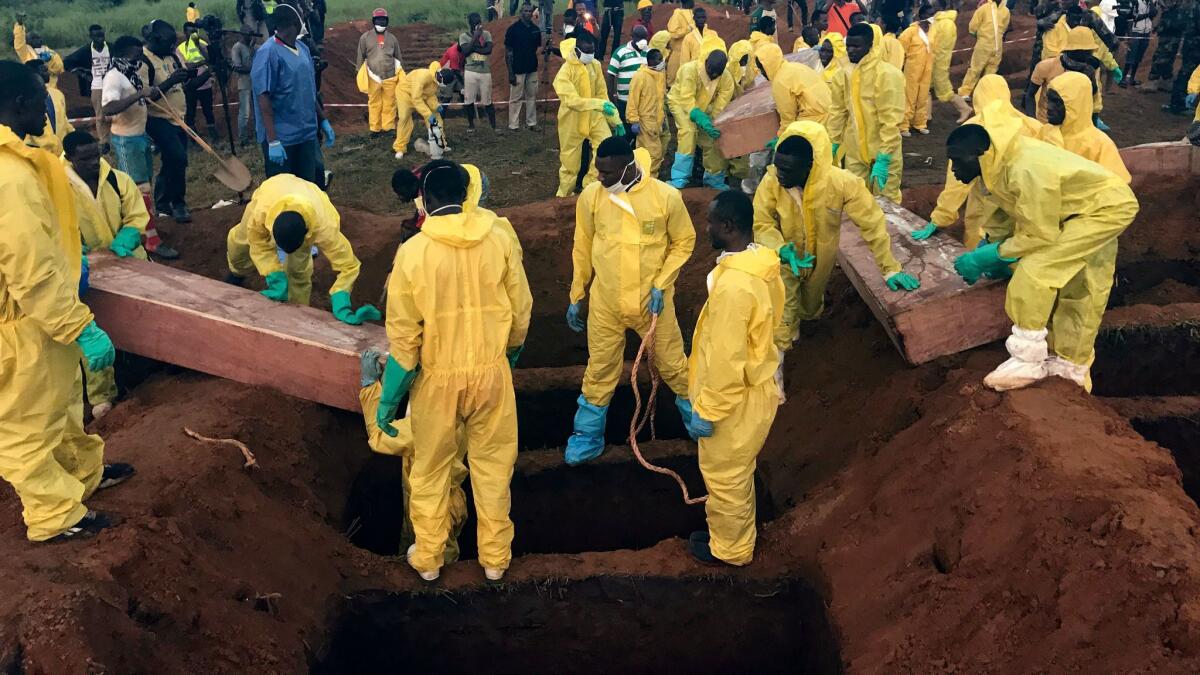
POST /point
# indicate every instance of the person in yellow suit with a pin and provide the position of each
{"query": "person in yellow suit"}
(418, 94)
(58, 125)
(741, 53)
(632, 236)
(681, 24)
(584, 111)
(889, 46)
(865, 118)
(918, 74)
(46, 456)
(833, 58)
(731, 378)
(112, 216)
(1066, 31)
(28, 46)
(992, 89)
(943, 35)
(697, 43)
(701, 92)
(457, 316)
(988, 24)
(800, 93)
(380, 72)
(291, 214)
(758, 38)
(1065, 214)
(798, 212)
(646, 111)
(1193, 91)
(1069, 111)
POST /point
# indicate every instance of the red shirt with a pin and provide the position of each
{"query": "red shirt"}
(839, 17)
(648, 25)
(453, 58)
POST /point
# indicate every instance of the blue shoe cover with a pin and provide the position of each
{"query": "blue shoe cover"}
(587, 442)
(715, 181)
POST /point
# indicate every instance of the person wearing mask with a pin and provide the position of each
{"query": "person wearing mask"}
(419, 95)
(1078, 56)
(287, 111)
(1063, 215)
(988, 25)
(522, 41)
(90, 62)
(1069, 117)
(47, 458)
(626, 61)
(682, 24)
(800, 93)
(58, 125)
(731, 378)
(584, 113)
(918, 74)
(455, 345)
(632, 279)
(194, 52)
(476, 46)
(162, 70)
(28, 46)
(610, 22)
(378, 62)
(241, 60)
(702, 91)
(942, 35)
(645, 109)
(865, 116)
(1141, 24)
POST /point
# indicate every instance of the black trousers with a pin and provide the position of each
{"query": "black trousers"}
(205, 98)
(613, 19)
(170, 186)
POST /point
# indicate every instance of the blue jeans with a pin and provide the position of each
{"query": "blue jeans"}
(134, 156)
(245, 108)
(303, 161)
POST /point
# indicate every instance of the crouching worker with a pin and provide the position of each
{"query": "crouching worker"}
(293, 215)
(701, 92)
(112, 215)
(457, 316)
(731, 378)
(1064, 214)
(632, 234)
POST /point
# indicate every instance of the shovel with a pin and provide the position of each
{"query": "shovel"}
(230, 171)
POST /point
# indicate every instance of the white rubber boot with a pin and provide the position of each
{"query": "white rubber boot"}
(964, 109)
(1057, 366)
(1027, 363)
(427, 576)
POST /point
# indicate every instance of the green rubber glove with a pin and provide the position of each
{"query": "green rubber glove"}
(835, 149)
(513, 354)
(698, 117)
(396, 382)
(925, 232)
(790, 257)
(879, 170)
(618, 130)
(771, 144)
(903, 281)
(608, 109)
(974, 264)
(277, 286)
(126, 242)
(97, 348)
(341, 309)
(1118, 74)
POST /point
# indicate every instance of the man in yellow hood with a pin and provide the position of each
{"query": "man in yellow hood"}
(702, 90)
(799, 92)
(943, 35)
(646, 110)
(681, 24)
(584, 111)
(1064, 37)
(741, 53)
(730, 377)
(417, 92)
(632, 236)
(918, 74)
(798, 211)
(833, 57)
(989, 23)
(1065, 214)
(290, 214)
(457, 317)
(1069, 112)
(865, 118)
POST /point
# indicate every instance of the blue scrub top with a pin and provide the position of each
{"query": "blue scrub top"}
(289, 79)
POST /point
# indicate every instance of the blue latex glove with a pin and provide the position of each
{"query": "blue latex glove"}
(700, 427)
(925, 232)
(126, 242)
(974, 264)
(340, 302)
(275, 153)
(618, 130)
(608, 109)
(327, 129)
(96, 347)
(396, 382)
(277, 286)
(771, 144)
(370, 370)
(573, 321)
(1118, 74)
(635, 128)
(84, 273)
(656, 301)
(1190, 100)
(45, 56)
(879, 170)
(903, 281)
(835, 149)
(433, 118)
(513, 354)
(790, 257)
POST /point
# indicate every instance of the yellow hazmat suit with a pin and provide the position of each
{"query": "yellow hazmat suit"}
(918, 74)
(25, 53)
(55, 131)
(697, 45)
(646, 107)
(680, 26)
(992, 89)
(1193, 87)
(46, 456)
(812, 219)
(988, 25)
(582, 94)
(892, 51)
(1078, 133)
(379, 74)
(799, 92)
(757, 40)
(694, 89)
(251, 246)
(743, 76)
(458, 300)
(626, 245)
(731, 384)
(417, 93)
(943, 33)
(838, 64)
(1065, 214)
(865, 119)
(1063, 38)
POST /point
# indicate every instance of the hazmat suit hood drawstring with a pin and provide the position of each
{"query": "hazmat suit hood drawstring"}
(53, 176)
(460, 230)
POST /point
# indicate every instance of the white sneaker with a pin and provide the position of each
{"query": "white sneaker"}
(101, 409)
(493, 574)
(427, 576)
(1027, 364)
(1057, 366)
(399, 155)
(923, 132)
(906, 133)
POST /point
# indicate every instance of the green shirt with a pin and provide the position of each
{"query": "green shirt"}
(476, 62)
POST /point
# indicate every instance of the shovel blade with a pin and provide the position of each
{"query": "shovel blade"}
(233, 174)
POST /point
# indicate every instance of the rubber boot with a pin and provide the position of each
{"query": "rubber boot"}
(1027, 364)
(471, 117)
(715, 181)
(681, 170)
(1057, 366)
(587, 441)
(964, 110)
(491, 113)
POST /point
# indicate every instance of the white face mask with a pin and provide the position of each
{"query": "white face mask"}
(641, 45)
(567, 30)
(621, 187)
(585, 59)
(380, 29)
(662, 65)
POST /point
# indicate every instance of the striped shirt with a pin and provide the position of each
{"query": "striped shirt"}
(623, 65)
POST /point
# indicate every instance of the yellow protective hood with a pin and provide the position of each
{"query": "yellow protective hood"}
(460, 230)
(946, 15)
(840, 59)
(711, 42)
(1003, 129)
(662, 42)
(822, 148)
(1076, 92)
(58, 188)
(992, 89)
(293, 203)
(771, 58)
(736, 51)
(644, 162)
(1079, 38)
(760, 261)
(567, 48)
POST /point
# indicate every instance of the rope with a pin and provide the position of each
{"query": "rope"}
(641, 418)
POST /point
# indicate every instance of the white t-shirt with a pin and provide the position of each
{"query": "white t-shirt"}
(100, 61)
(132, 122)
